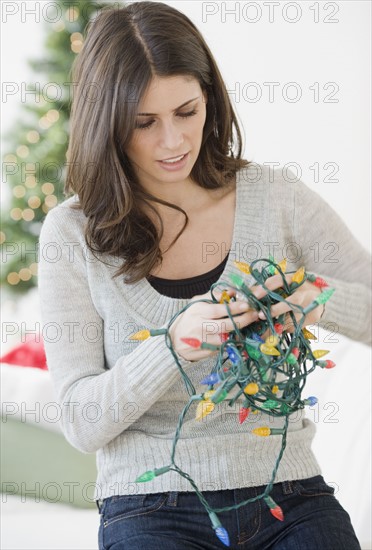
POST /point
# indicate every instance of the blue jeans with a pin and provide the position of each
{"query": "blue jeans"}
(313, 520)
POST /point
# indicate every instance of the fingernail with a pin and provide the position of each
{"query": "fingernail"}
(244, 306)
(262, 315)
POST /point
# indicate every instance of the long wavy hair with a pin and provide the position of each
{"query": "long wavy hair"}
(123, 50)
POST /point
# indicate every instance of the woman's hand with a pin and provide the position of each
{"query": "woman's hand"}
(303, 296)
(207, 322)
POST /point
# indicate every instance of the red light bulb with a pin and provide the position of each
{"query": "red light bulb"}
(243, 413)
(193, 342)
(320, 283)
(277, 512)
(278, 328)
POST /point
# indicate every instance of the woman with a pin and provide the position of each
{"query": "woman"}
(161, 209)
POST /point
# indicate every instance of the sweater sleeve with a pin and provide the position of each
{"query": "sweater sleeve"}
(96, 403)
(329, 250)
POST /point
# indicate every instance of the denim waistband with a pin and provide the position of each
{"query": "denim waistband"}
(285, 487)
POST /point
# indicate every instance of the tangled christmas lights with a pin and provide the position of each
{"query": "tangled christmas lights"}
(268, 373)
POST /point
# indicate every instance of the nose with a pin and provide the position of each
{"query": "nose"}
(171, 137)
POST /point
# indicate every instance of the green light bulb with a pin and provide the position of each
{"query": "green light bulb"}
(291, 359)
(237, 280)
(253, 352)
(147, 476)
(324, 296)
(219, 396)
(151, 474)
(269, 404)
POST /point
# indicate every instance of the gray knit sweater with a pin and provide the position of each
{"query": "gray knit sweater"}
(122, 398)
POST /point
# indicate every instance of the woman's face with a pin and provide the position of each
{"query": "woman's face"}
(169, 123)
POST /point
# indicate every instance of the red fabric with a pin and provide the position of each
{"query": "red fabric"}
(29, 354)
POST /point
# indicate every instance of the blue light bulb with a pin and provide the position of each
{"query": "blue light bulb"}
(212, 378)
(233, 356)
(257, 337)
(311, 401)
(223, 535)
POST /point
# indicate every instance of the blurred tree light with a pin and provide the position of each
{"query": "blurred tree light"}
(34, 166)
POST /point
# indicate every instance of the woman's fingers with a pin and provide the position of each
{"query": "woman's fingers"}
(216, 311)
(211, 321)
(283, 307)
(226, 325)
(272, 283)
(212, 329)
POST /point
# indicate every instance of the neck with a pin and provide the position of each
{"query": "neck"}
(187, 195)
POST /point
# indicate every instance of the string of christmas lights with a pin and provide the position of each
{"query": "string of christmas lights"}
(268, 373)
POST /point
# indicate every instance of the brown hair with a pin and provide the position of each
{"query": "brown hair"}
(123, 50)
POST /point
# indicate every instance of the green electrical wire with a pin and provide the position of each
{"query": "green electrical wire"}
(249, 365)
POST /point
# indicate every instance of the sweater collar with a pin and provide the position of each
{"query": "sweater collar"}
(150, 307)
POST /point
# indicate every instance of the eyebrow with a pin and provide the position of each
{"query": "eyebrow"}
(183, 104)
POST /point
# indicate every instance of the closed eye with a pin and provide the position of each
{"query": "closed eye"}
(147, 125)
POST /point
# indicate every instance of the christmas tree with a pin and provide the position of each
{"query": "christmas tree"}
(34, 166)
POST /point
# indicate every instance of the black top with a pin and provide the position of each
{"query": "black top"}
(187, 288)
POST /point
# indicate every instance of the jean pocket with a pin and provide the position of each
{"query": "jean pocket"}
(121, 507)
(312, 487)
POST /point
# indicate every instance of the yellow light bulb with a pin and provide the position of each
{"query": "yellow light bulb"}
(308, 335)
(208, 394)
(251, 388)
(203, 409)
(50, 201)
(299, 275)
(23, 151)
(47, 188)
(76, 46)
(272, 340)
(269, 350)
(33, 136)
(34, 202)
(76, 36)
(30, 182)
(264, 431)
(224, 297)
(52, 115)
(243, 266)
(10, 158)
(320, 353)
(275, 389)
(13, 278)
(140, 335)
(282, 265)
(19, 191)
(16, 214)
(25, 274)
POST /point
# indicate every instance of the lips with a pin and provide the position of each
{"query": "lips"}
(179, 157)
(172, 166)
